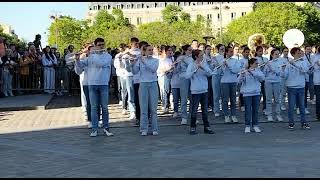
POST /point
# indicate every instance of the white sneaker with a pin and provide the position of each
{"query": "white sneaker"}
(270, 119)
(11, 94)
(107, 132)
(234, 119)
(175, 114)
(144, 133)
(216, 114)
(242, 109)
(306, 111)
(247, 129)
(283, 108)
(227, 119)
(100, 124)
(132, 116)
(93, 133)
(124, 112)
(155, 133)
(89, 125)
(280, 119)
(197, 122)
(298, 111)
(120, 103)
(5, 94)
(264, 112)
(256, 129)
(184, 121)
(313, 102)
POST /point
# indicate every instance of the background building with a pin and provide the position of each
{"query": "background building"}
(219, 13)
(7, 29)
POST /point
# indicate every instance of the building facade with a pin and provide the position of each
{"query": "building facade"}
(220, 14)
(7, 29)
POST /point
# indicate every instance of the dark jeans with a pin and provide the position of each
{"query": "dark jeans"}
(196, 99)
(176, 98)
(251, 110)
(306, 89)
(317, 92)
(296, 96)
(136, 100)
(88, 104)
(241, 100)
(119, 88)
(210, 95)
(264, 103)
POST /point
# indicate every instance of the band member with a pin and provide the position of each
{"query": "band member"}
(236, 52)
(230, 69)
(198, 71)
(272, 84)
(175, 86)
(99, 70)
(261, 60)
(83, 73)
(283, 89)
(316, 80)
(49, 60)
(216, 79)
(184, 62)
(120, 70)
(249, 80)
(134, 53)
(309, 76)
(164, 77)
(208, 59)
(244, 65)
(146, 66)
(294, 73)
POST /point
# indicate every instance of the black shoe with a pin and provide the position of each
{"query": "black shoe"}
(137, 122)
(208, 130)
(318, 118)
(193, 131)
(305, 126)
(291, 126)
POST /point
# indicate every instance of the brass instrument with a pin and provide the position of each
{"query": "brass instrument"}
(256, 40)
(293, 38)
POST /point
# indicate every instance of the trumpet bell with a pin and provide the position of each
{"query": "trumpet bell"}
(293, 38)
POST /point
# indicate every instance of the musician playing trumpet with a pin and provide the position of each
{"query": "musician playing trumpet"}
(294, 74)
(272, 84)
(249, 81)
(198, 71)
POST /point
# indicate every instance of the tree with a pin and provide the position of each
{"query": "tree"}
(171, 13)
(69, 31)
(273, 19)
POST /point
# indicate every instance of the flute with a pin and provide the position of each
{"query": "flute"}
(203, 60)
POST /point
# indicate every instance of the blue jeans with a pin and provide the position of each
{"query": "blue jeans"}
(229, 93)
(216, 91)
(251, 104)
(283, 91)
(124, 93)
(176, 98)
(317, 93)
(196, 99)
(184, 94)
(148, 97)
(272, 90)
(99, 96)
(311, 87)
(130, 89)
(296, 94)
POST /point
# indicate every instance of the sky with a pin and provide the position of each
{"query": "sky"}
(31, 18)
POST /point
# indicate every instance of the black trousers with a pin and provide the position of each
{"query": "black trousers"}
(263, 95)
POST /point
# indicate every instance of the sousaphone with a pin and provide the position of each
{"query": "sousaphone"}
(293, 38)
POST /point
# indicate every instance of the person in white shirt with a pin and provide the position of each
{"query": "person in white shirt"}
(261, 61)
(283, 89)
(69, 59)
(244, 65)
(49, 60)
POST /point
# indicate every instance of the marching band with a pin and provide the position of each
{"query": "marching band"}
(199, 76)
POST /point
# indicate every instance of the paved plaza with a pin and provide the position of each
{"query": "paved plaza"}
(55, 143)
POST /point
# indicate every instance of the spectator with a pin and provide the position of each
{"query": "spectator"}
(37, 42)
(25, 62)
(49, 61)
(35, 67)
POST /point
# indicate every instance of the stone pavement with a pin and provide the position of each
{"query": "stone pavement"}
(56, 143)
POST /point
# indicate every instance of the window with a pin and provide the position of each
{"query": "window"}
(139, 20)
(128, 6)
(219, 17)
(109, 7)
(209, 16)
(132, 6)
(155, 5)
(233, 15)
(118, 6)
(243, 13)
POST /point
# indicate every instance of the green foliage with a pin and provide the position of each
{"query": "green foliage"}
(171, 13)
(273, 19)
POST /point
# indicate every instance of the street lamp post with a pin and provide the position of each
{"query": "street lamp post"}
(220, 22)
(55, 17)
